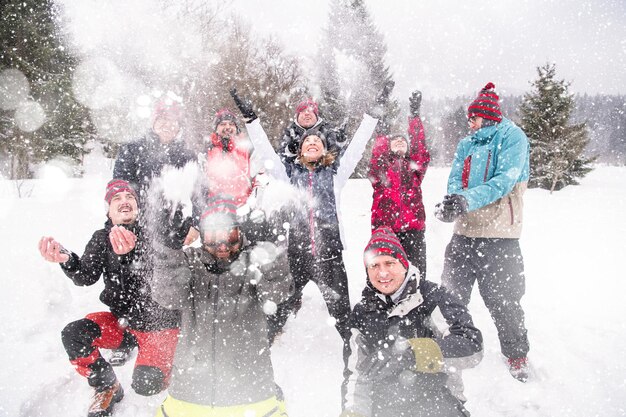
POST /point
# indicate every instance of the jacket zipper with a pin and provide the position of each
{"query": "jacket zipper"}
(311, 218)
(487, 167)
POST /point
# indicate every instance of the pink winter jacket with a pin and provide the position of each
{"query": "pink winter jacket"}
(397, 182)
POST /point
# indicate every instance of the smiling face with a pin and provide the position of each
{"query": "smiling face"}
(166, 126)
(312, 148)
(226, 129)
(222, 243)
(398, 145)
(123, 208)
(307, 118)
(386, 274)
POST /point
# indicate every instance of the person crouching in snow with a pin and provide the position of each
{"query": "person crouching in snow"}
(397, 169)
(115, 252)
(224, 291)
(399, 360)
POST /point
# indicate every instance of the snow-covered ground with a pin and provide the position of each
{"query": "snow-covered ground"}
(573, 244)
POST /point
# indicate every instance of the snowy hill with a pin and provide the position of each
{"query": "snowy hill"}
(573, 244)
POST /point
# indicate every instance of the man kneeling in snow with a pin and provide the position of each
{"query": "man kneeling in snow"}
(224, 291)
(116, 253)
(400, 364)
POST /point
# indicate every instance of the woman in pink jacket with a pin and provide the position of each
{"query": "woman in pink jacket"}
(397, 168)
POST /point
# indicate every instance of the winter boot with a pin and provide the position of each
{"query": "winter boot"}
(104, 399)
(119, 356)
(518, 367)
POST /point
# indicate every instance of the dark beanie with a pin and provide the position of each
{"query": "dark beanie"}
(224, 114)
(313, 132)
(220, 213)
(385, 242)
(486, 105)
(117, 186)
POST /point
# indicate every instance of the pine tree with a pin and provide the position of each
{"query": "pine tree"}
(557, 146)
(45, 120)
(352, 31)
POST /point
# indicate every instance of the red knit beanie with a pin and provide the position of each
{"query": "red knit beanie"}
(308, 103)
(220, 213)
(486, 105)
(117, 186)
(385, 242)
(167, 107)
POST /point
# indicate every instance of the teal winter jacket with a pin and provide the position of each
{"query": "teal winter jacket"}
(491, 169)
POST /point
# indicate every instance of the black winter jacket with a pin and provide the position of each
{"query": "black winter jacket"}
(140, 161)
(377, 325)
(315, 227)
(126, 289)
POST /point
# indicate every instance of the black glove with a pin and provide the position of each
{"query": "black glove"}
(172, 227)
(378, 109)
(415, 102)
(386, 363)
(451, 208)
(244, 106)
(383, 96)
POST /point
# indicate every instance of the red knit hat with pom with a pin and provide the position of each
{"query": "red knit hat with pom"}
(385, 242)
(308, 103)
(486, 105)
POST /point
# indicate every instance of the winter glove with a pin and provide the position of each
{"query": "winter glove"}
(378, 110)
(244, 106)
(428, 356)
(415, 102)
(385, 363)
(383, 127)
(172, 226)
(451, 208)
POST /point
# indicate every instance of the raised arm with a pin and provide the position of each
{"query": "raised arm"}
(354, 151)
(420, 157)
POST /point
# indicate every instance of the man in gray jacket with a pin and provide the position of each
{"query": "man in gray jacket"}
(224, 291)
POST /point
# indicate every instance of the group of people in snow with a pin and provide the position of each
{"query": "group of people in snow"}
(204, 293)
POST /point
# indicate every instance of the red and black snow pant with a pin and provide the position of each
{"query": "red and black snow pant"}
(84, 338)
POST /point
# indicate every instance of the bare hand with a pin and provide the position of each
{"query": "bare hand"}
(50, 250)
(122, 240)
(191, 236)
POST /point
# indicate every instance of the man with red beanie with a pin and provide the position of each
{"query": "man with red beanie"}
(400, 364)
(134, 318)
(227, 160)
(485, 200)
(307, 117)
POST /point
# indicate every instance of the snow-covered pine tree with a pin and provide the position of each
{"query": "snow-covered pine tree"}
(352, 31)
(556, 145)
(44, 120)
(331, 104)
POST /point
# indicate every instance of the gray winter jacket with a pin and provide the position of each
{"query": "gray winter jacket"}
(223, 355)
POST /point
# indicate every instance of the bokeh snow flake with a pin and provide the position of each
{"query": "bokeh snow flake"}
(14, 89)
(29, 116)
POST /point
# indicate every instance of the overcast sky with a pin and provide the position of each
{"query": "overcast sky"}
(445, 48)
(455, 47)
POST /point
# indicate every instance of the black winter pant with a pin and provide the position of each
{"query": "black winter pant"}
(414, 245)
(498, 266)
(330, 277)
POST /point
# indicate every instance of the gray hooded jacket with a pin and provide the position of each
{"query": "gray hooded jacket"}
(223, 356)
